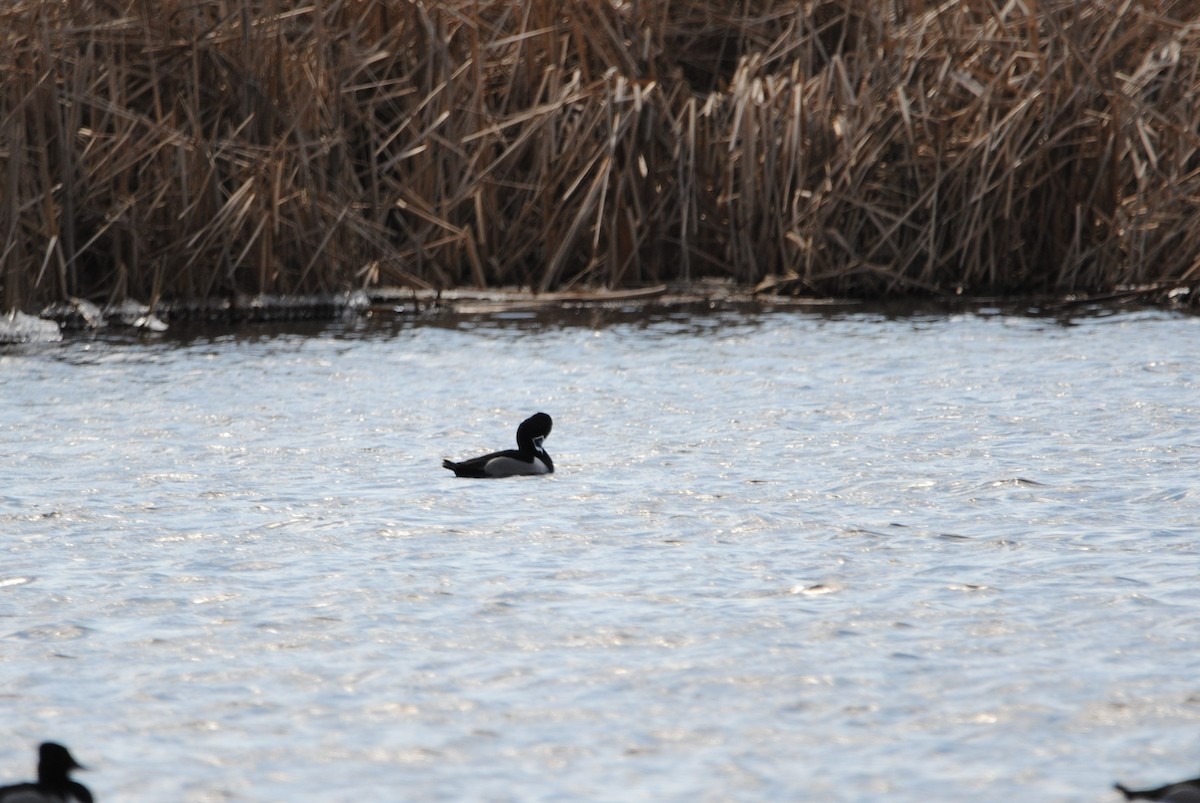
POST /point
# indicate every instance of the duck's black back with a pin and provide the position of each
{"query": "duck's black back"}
(70, 792)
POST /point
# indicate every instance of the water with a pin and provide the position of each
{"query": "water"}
(786, 556)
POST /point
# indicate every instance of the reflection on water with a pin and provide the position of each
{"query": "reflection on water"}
(839, 555)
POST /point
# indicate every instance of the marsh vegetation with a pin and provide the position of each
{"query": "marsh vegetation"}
(184, 149)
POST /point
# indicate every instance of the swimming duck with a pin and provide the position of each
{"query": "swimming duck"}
(528, 458)
(1181, 792)
(54, 784)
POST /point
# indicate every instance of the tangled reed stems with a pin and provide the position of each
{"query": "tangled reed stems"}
(204, 148)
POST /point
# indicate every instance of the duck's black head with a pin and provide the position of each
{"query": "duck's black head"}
(55, 763)
(533, 431)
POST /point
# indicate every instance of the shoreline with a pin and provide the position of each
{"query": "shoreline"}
(82, 316)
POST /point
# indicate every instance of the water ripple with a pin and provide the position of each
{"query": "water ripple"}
(786, 556)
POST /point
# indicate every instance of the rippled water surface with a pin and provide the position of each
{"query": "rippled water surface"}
(786, 556)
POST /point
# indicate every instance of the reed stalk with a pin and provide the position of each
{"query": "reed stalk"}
(216, 148)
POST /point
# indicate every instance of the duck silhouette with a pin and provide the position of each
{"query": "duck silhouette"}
(1179, 792)
(54, 784)
(529, 457)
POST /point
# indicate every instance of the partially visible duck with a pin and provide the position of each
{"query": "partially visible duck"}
(54, 784)
(1181, 792)
(528, 458)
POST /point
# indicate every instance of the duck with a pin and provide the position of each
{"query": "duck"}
(528, 458)
(1180, 792)
(54, 784)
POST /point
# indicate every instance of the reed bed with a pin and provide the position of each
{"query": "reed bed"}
(190, 149)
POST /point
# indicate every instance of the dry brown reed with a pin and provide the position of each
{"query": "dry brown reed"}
(205, 148)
